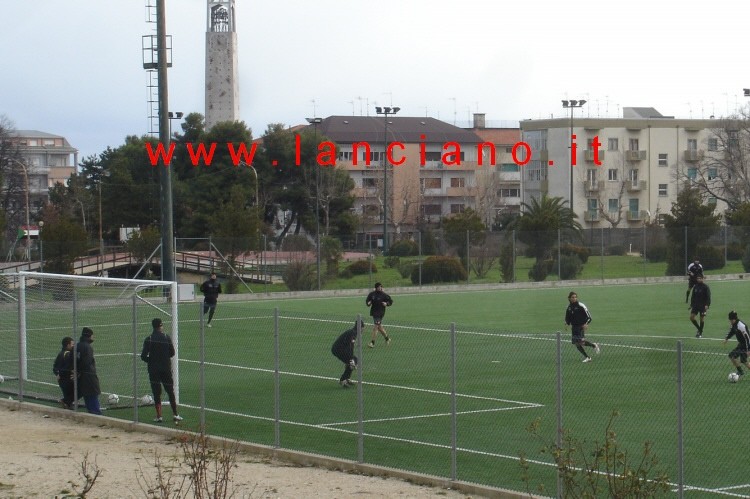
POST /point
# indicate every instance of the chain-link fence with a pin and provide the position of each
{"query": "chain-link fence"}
(444, 400)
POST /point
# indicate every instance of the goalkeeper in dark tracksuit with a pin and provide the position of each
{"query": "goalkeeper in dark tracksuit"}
(343, 349)
(157, 352)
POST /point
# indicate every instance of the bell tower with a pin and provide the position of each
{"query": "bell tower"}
(222, 92)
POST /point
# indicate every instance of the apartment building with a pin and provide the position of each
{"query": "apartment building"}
(434, 172)
(621, 172)
(49, 159)
(500, 191)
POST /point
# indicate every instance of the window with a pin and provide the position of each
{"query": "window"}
(633, 145)
(712, 173)
(614, 205)
(663, 159)
(612, 174)
(711, 201)
(692, 144)
(458, 182)
(369, 182)
(509, 149)
(633, 206)
(509, 193)
(713, 144)
(591, 175)
(433, 156)
(345, 156)
(634, 175)
(431, 209)
(613, 144)
(662, 190)
(509, 167)
(431, 183)
(734, 139)
(457, 208)
(592, 205)
(692, 173)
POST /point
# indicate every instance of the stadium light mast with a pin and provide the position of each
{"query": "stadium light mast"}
(385, 111)
(572, 104)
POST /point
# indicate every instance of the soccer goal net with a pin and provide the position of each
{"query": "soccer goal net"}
(50, 307)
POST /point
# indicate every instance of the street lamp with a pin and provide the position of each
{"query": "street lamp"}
(385, 111)
(315, 122)
(572, 104)
(28, 218)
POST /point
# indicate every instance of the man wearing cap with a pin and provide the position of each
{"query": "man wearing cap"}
(377, 301)
(211, 290)
(738, 356)
(87, 379)
(157, 352)
(343, 349)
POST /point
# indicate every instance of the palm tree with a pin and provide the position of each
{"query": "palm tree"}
(540, 221)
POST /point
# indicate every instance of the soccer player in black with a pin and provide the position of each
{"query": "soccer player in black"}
(738, 356)
(88, 380)
(211, 290)
(694, 270)
(577, 316)
(343, 349)
(699, 303)
(157, 352)
(63, 369)
(377, 301)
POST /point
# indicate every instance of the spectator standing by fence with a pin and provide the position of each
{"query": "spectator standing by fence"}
(63, 370)
(88, 380)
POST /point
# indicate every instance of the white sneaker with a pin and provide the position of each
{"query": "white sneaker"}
(177, 418)
(597, 349)
(158, 420)
(587, 359)
(209, 325)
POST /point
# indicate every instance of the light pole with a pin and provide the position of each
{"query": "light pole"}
(315, 122)
(28, 218)
(385, 111)
(257, 204)
(41, 247)
(572, 104)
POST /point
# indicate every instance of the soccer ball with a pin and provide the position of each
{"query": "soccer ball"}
(147, 399)
(113, 399)
(734, 377)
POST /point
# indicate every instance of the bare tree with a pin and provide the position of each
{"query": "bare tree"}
(722, 172)
(615, 186)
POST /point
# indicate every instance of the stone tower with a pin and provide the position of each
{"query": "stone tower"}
(222, 92)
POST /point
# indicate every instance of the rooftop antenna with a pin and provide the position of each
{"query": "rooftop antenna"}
(352, 103)
(360, 99)
(315, 113)
(690, 110)
(454, 109)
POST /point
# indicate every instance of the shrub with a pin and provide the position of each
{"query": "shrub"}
(439, 269)
(540, 270)
(570, 267)
(617, 250)
(507, 262)
(361, 267)
(735, 251)
(296, 242)
(404, 248)
(746, 259)
(581, 252)
(299, 276)
(657, 253)
(405, 268)
(391, 262)
(712, 258)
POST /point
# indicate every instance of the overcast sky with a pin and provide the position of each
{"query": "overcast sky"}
(74, 67)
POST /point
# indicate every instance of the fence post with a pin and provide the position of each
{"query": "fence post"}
(680, 435)
(644, 252)
(601, 252)
(22, 358)
(559, 242)
(276, 382)
(514, 255)
(454, 408)
(360, 396)
(420, 258)
(559, 408)
(135, 359)
(468, 259)
(684, 265)
(202, 366)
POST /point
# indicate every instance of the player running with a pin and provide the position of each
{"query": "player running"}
(738, 356)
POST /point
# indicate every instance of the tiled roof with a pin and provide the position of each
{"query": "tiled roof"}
(507, 136)
(405, 129)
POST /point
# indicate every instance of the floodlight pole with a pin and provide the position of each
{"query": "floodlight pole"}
(385, 111)
(315, 122)
(572, 104)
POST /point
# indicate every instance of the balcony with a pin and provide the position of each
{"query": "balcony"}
(589, 155)
(693, 155)
(460, 191)
(636, 216)
(591, 216)
(637, 186)
(635, 155)
(594, 186)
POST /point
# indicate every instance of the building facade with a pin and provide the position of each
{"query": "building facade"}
(620, 172)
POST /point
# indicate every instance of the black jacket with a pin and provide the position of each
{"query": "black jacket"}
(739, 329)
(701, 296)
(375, 300)
(63, 365)
(577, 314)
(343, 347)
(158, 351)
(211, 290)
(88, 381)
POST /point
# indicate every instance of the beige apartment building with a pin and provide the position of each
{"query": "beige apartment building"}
(643, 160)
(49, 159)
